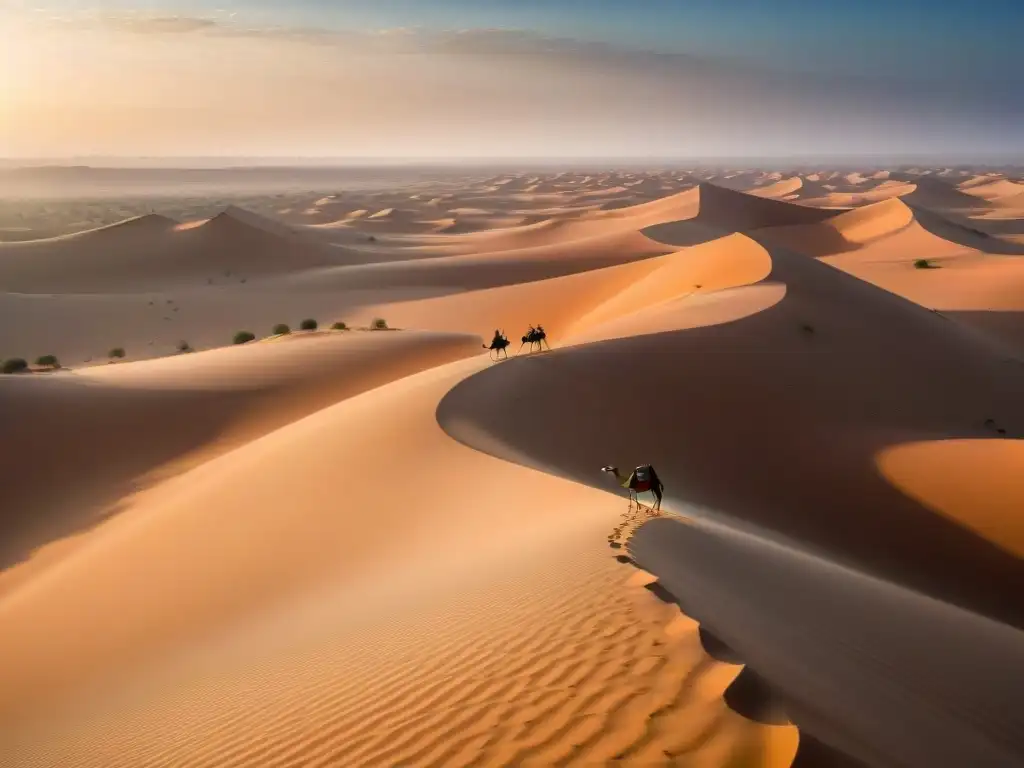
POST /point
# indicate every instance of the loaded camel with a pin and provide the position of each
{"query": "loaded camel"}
(536, 336)
(641, 479)
(498, 344)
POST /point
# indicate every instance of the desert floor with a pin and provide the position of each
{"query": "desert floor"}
(378, 545)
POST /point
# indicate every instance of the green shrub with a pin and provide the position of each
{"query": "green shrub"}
(308, 325)
(117, 352)
(281, 329)
(48, 361)
(379, 324)
(339, 326)
(924, 264)
(14, 365)
(244, 337)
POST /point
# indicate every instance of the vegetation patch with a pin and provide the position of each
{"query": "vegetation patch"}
(48, 361)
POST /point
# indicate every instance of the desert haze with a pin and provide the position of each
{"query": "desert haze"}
(271, 498)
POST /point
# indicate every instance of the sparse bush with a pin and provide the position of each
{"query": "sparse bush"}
(339, 326)
(281, 329)
(184, 346)
(116, 352)
(924, 264)
(379, 324)
(308, 325)
(244, 337)
(371, 239)
(48, 361)
(14, 365)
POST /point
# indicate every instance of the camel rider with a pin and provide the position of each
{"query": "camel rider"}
(498, 338)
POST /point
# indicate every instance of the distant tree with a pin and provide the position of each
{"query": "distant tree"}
(281, 329)
(924, 264)
(14, 365)
(48, 361)
(244, 337)
(116, 352)
(308, 325)
(339, 326)
(379, 324)
(184, 346)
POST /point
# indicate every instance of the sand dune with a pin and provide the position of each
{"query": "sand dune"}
(547, 568)
(151, 254)
(116, 429)
(778, 189)
(974, 282)
(382, 548)
(866, 330)
(993, 189)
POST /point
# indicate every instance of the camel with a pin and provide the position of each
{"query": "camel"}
(641, 479)
(536, 336)
(498, 344)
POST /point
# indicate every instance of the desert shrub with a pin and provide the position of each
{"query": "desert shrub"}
(48, 361)
(371, 239)
(281, 329)
(339, 326)
(244, 337)
(184, 346)
(924, 264)
(14, 365)
(308, 325)
(379, 324)
(116, 352)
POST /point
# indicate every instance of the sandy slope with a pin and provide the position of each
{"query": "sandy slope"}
(150, 254)
(113, 430)
(975, 282)
(381, 548)
(733, 402)
(525, 580)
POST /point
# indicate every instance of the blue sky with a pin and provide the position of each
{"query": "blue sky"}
(757, 76)
(926, 38)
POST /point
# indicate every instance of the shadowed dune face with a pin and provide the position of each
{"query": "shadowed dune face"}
(882, 372)
(939, 679)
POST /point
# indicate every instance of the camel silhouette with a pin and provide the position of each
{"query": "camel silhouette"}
(536, 336)
(497, 346)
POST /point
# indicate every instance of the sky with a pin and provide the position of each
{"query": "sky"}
(437, 79)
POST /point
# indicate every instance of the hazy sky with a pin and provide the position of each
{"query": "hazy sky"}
(444, 78)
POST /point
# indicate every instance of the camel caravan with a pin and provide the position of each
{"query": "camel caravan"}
(534, 337)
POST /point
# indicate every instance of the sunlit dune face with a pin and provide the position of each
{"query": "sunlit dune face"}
(976, 483)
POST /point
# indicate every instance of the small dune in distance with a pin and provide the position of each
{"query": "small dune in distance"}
(292, 477)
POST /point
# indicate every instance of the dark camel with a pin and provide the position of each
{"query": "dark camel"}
(498, 344)
(641, 479)
(535, 336)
